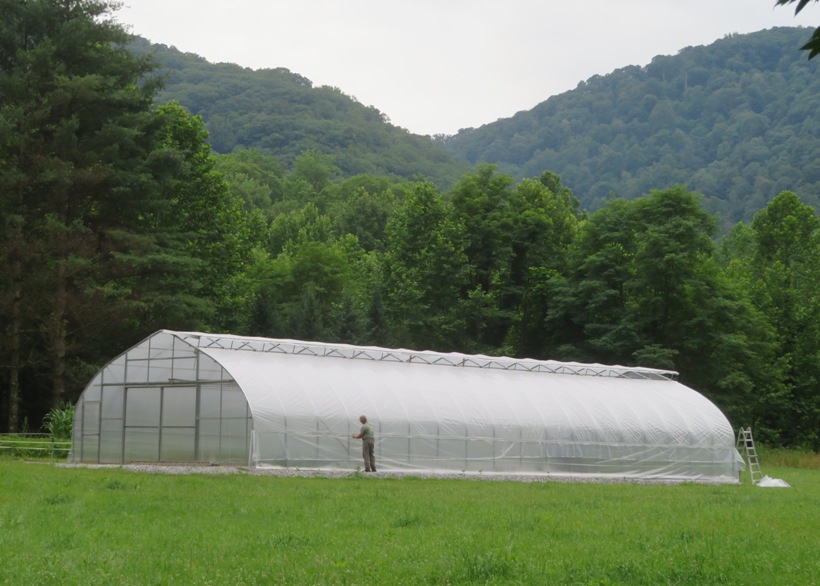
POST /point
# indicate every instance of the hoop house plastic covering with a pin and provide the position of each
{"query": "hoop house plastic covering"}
(194, 397)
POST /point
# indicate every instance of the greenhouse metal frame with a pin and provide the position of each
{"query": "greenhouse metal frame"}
(191, 397)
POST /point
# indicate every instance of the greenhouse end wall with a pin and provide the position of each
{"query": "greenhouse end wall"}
(162, 401)
(193, 397)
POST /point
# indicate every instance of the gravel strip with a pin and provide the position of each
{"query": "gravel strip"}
(394, 474)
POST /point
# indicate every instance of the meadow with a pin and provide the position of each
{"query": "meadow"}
(87, 526)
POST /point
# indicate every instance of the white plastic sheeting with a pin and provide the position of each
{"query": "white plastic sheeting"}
(769, 482)
(456, 412)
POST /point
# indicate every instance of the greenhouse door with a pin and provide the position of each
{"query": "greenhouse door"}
(160, 424)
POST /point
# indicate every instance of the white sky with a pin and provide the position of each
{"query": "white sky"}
(435, 66)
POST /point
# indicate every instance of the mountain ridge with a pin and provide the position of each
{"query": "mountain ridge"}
(734, 120)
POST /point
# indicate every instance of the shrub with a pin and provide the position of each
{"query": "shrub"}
(59, 421)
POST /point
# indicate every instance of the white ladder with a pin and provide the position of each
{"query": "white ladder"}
(746, 442)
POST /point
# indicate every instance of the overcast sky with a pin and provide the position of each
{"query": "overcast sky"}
(435, 66)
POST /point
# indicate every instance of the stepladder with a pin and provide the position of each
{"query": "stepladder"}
(746, 447)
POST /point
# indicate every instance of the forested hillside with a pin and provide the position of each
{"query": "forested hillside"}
(736, 121)
(283, 114)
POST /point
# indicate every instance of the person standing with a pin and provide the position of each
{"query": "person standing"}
(368, 444)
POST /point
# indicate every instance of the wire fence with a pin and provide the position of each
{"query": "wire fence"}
(33, 445)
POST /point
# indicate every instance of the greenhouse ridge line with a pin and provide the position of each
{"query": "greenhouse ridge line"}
(429, 357)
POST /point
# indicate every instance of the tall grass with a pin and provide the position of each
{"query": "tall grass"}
(789, 458)
(112, 526)
(33, 447)
(59, 421)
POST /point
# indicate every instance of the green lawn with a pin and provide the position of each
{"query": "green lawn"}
(82, 526)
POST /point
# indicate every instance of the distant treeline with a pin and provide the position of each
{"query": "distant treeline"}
(497, 267)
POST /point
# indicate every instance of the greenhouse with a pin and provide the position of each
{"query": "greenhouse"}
(189, 397)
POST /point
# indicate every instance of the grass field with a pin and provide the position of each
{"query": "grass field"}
(111, 526)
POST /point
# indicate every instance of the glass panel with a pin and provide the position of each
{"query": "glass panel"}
(77, 425)
(235, 438)
(160, 370)
(210, 399)
(162, 346)
(235, 428)
(185, 369)
(141, 444)
(209, 369)
(91, 417)
(209, 440)
(111, 441)
(136, 371)
(142, 407)
(179, 406)
(233, 402)
(182, 348)
(139, 352)
(177, 445)
(92, 391)
(112, 402)
(90, 449)
(115, 372)
(234, 447)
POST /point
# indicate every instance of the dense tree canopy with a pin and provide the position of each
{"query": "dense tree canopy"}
(643, 286)
(113, 221)
(781, 264)
(117, 220)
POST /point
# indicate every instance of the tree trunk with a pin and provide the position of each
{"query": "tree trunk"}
(14, 350)
(58, 338)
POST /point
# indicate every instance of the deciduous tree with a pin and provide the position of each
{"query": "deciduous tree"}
(425, 271)
(786, 285)
(643, 288)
